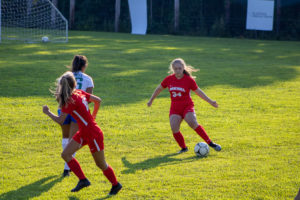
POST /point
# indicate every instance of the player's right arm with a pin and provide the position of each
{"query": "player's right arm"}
(155, 94)
(58, 119)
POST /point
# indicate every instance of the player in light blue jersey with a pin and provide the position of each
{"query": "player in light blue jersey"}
(85, 83)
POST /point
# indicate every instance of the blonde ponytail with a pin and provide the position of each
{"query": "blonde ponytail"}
(66, 85)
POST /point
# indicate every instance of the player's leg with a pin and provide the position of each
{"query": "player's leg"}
(65, 140)
(65, 127)
(73, 129)
(70, 132)
(175, 121)
(190, 118)
(98, 155)
(70, 149)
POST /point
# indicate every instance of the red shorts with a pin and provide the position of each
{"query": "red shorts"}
(181, 108)
(92, 137)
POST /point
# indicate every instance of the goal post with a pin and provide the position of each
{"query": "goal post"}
(31, 20)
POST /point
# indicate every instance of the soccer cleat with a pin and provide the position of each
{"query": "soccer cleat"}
(183, 150)
(81, 184)
(66, 173)
(115, 189)
(215, 146)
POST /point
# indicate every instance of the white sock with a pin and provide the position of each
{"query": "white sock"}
(65, 141)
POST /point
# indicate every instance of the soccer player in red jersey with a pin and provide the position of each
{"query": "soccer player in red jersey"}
(75, 102)
(83, 82)
(180, 83)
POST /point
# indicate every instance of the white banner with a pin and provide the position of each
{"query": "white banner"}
(138, 15)
(260, 15)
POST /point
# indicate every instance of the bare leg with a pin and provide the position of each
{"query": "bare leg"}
(100, 160)
(72, 130)
(70, 149)
(107, 171)
(175, 121)
(65, 130)
(65, 140)
(191, 120)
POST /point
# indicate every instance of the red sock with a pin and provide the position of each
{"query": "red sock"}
(110, 175)
(75, 167)
(179, 139)
(200, 130)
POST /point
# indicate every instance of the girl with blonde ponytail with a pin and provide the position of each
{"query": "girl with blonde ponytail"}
(84, 82)
(75, 102)
(65, 88)
(187, 69)
(180, 82)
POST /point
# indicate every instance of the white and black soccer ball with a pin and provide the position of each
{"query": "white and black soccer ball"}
(45, 39)
(201, 149)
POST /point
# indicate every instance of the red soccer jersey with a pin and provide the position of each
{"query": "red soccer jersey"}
(78, 108)
(179, 88)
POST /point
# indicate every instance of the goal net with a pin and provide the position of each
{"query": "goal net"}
(32, 20)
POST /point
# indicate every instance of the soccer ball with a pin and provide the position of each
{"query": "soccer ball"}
(45, 39)
(201, 149)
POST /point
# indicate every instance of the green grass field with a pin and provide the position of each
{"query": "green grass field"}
(257, 86)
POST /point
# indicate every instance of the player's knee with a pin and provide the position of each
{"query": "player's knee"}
(175, 129)
(102, 165)
(63, 155)
(193, 124)
(66, 157)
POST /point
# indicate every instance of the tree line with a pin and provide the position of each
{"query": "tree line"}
(222, 18)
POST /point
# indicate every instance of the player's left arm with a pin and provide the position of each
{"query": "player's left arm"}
(203, 96)
(90, 87)
(97, 101)
(58, 119)
(89, 90)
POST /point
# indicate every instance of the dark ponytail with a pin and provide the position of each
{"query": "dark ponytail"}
(78, 63)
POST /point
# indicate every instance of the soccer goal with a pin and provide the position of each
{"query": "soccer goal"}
(32, 20)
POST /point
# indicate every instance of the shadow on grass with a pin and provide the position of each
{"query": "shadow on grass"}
(127, 68)
(155, 162)
(73, 198)
(32, 190)
(106, 197)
